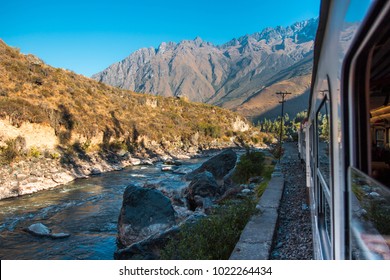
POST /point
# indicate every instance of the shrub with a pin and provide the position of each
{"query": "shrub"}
(259, 190)
(211, 130)
(10, 152)
(251, 164)
(34, 152)
(54, 155)
(213, 237)
(116, 146)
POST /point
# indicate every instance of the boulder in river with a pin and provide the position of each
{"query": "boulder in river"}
(150, 248)
(39, 229)
(144, 212)
(202, 185)
(219, 165)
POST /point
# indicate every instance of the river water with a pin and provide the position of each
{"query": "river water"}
(88, 209)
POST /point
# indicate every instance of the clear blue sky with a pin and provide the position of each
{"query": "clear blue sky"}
(88, 36)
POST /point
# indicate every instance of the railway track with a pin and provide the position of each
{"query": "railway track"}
(293, 237)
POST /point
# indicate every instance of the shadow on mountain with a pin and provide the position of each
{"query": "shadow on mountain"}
(291, 106)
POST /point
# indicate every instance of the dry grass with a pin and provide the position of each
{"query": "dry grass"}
(31, 91)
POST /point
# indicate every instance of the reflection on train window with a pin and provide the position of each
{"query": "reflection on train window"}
(323, 174)
(328, 219)
(323, 138)
(379, 111)
(370, 221)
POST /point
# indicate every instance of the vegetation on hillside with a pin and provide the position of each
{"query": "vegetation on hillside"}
(84, 112)
(290, 126)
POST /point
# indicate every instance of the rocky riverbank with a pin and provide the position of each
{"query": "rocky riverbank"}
(150, 217)
(45, 172)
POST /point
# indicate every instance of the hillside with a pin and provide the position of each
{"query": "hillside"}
(50, 114)
(229, 75)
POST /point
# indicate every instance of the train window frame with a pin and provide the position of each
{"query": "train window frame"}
(323, 190)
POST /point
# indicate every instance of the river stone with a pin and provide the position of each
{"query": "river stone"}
(96, 171)
(219, 165)
(144, 212)
(135, 161)
(39, 229)
(59, 235)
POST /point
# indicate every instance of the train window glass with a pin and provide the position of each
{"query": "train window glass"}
(311, 136)
(369, 173)
(323, 174)
(388, 138)
(378, 110)
(328, 219)
(370, 219)
(323, 138)
(379, 138)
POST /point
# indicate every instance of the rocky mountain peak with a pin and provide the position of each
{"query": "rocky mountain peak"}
(198, 41)
(225, 75)
(163, 47)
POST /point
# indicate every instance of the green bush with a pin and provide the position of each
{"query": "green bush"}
(259, 190)
(250, 165)
(10, 152)
(213, 237)
(34, 152)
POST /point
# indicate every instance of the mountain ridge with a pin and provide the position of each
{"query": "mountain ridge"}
(225, 75)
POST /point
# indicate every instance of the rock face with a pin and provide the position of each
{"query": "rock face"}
(227, 75)
(219, 165)
(202, 186)
(144, 212)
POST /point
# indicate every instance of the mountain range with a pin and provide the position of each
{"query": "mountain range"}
(241, 75)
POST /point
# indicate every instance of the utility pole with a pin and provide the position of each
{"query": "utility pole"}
(283, 94)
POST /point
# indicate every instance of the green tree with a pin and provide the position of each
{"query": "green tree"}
(325, 129)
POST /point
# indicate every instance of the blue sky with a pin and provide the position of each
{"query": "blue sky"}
(88, 36)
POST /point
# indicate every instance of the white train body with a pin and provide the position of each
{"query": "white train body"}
(344, 141)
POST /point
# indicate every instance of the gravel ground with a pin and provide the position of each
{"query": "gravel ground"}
(293, 240)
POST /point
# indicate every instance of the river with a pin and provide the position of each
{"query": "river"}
(88, 209)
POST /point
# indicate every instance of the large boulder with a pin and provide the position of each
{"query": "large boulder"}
(150, 248)
(203, 185)
(219, 165)
(144, 212)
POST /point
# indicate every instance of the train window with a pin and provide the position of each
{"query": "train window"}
(369, 170)
(323, 174)
(323, 137)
